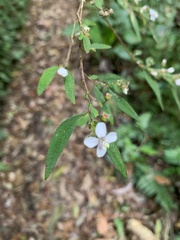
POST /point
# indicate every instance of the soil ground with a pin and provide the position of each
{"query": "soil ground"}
(83, 197)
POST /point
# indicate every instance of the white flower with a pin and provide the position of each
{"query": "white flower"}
(102, 141)
(171, 70)
(154, 73)
(125, 90)
(153, 14)
(177, 82)
(62, 71)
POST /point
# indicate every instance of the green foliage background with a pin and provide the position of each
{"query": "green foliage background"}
(152, 145)
(12, 19)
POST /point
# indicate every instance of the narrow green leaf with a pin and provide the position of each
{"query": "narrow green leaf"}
(109, 77)
(69, 84)
(86, 44)
(99, 3)
(46, 79)
(124, 106)
(98, 95)
(135, 24)
(100, 46)
(58, 142)
(115, 157)
(154, 85)
(175, 95)
(82, 120)
(94, 112)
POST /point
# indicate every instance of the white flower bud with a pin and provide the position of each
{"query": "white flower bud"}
(177, 82)
(171, 70)
(62, 72)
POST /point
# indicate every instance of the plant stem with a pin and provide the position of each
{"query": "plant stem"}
(124, 45)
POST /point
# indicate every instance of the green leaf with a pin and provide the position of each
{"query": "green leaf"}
(100, 46)
(82, 120)
(88, 22)
(109, 77)
(124, 106)
(99, 3)
(86, 44)
(119, 226)
(154, 85)
(46, 79)
(69, 85)
(144, 120)
(94, 112)
(135, 24)
(93, 77)
(172, 156)
(98, 95)
(58, 142)
(115, 157)
(175, 95)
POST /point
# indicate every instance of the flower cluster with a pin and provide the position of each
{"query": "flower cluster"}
(102, 140)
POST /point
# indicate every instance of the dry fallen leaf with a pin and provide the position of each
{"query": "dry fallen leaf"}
(102, 224)
(139, 230)
(161, 180)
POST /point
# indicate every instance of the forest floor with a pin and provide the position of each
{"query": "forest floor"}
(82, 198)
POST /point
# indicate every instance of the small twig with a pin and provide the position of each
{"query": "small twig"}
(124, 45)
(71, 45)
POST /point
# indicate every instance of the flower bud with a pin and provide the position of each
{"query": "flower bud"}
(62, 72)
(105, 117)
(108, 96)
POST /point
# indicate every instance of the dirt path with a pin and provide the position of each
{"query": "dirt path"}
(77, 201)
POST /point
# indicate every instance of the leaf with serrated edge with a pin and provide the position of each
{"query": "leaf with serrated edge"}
(124, 106)
(46, 79)
(115, 157)
(69, 85)
(58, 142)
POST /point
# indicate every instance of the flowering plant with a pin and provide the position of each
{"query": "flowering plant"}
(106, 89)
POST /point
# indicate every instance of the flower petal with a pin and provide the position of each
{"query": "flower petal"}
(91, 142)
(111, 137)
(101, 130)
(62, 71)
(101, 151)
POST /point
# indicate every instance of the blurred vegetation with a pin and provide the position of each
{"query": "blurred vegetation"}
(13, 15)
(152, 145)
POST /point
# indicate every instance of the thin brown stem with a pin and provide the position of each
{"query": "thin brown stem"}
(124, 45)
